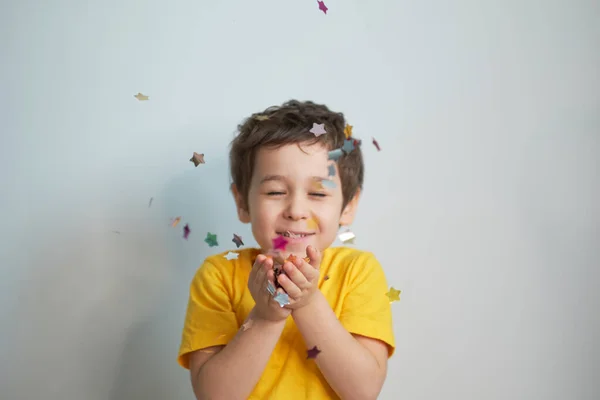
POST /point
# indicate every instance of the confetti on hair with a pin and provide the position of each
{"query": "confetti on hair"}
(150, 202)
(175, 222)
(312, 223)
(261, 117)
(141, 97)
(279, 243)
(312, 353)
(347, 237)
(211, 239)
(247, 325)
(349, 145)
(318, 129)
(322, 6)
(331, 170)
(197, 159)
(376, 144)
(231, 256)
(186, 231)
(282, 298)
(393, 294)
(348, 131)
(237, 240)
(335, 154)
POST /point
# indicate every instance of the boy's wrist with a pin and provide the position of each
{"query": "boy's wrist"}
(256, 317)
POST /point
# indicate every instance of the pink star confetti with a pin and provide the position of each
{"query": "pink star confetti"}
(279, 243)
(376, 145)
(322, 6)
(318, 129)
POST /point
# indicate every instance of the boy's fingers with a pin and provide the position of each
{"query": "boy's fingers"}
(294, 273)
(314, 255)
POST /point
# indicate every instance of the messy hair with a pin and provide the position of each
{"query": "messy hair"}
(290, 123)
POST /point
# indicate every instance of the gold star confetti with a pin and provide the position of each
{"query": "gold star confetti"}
(261, 118)
(247, 325)
(312, 223)
(393, 294)
(175, 222)
(347, 237)
(317, 185)
(141, 97)
(197, 159)
(348, 131)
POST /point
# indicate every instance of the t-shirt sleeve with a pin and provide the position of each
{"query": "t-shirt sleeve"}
(366, 309)
(210, 319)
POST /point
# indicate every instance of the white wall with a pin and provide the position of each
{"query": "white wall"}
(483, 205)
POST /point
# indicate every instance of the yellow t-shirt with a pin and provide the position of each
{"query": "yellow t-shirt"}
(220, 302)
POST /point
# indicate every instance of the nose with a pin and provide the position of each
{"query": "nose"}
(297, 208)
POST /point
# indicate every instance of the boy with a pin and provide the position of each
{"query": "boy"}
(321, 328)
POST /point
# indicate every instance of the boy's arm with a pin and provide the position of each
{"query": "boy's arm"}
(355, 370)
(233, 372)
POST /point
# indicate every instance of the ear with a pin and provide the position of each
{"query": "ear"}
(243, 214)
(350, 210)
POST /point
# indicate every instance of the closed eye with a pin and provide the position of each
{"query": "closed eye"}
(318, 194)
(275, 193)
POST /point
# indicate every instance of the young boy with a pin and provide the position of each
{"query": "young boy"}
(320, 329)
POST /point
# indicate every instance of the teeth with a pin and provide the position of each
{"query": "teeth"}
(292, 234)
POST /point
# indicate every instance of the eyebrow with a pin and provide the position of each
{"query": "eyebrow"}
(269, 178)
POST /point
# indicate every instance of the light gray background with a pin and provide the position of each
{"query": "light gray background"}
(483, 205)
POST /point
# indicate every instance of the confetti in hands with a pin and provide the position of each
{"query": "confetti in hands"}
(263, 292)
(301, 278)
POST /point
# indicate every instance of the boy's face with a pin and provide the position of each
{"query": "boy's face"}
(285, 198)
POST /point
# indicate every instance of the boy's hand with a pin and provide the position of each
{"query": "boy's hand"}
(301, 278)
(266, 308)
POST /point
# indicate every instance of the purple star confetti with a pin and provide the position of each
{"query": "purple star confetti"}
(376, 144)
(312, 353)
(186, 231)
(237, 240)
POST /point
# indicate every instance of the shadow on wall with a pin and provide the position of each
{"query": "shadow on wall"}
(148, 366)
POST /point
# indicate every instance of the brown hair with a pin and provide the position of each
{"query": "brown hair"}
(290, 123)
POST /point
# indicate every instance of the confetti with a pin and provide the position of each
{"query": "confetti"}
(186, 231)
(331, 170)
(335, 154)
(291, 258)
(231, 256)
(348, 131)
(175, 222)
(278, 270)
(237, 240)
(279, 243)
(348, 146)
(347, 237)
(328, 183)
(312, 353)
(312, 223)
(282, 298)
(326, 277)
(247, 325)
(270, 288)
(393, 294)
(209, 351)
(141, 97)
(261, 118)
(211, 239)
(150, 202)
(197, 159)
(318, 129)
(376, 145)
(322, 6)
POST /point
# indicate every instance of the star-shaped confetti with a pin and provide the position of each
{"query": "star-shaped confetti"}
(348, 131)
(347, 237)
(318, 129)
(335, 154)
(247, 325)
(322, 6)
(261, 118)
(312, 223)
(141, 97)
(279, 243)
(328, 183)
(211, 239)
(271, 288)
(231, 256)
(175, 222)
(348, 146)
(282, 298)
(312, 353)
(393, 294)
(291, 258)
(376, 144)
(186, 231)
(331, 170)
(237, 240)
(197, 159)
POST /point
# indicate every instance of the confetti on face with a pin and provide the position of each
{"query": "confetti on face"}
(331, 170)
(231, 256)
(282, 298)
(247, 325)
(141, 97)
(175, 222)
(376, 145)
(279, 243)
(186, 231)
(261, 118)
(211, 239)
(335, 154)
(150, 202)
(312, 353)
(197, 159)
(348, 146)
(237, 240)
(348, 131)
(312, 223)
(393, 294)
(322, 6)
(328, 183)
(347, 237)
(318, 129)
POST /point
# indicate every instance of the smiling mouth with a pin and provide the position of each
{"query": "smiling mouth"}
(294, 235)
